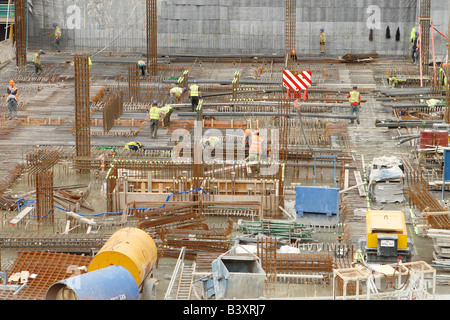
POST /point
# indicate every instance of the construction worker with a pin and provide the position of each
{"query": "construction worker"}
(294, 55)
(210, 141)
(166, 111)
(247, 138)
(155, 114)
(12, 98)
(134, 145)
(322, 40)
(57, 37)
(413, 34)
(194, 93)
(354, 97)
(414, 47)
(358, 256)
(143, 67)
(89, 63)
(37, 61)
(175, 94)
(255, 150)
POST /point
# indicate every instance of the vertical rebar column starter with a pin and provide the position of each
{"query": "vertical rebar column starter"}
(152, 37)
(82, 107)
(134, 84)
(21, 34)
(447, 102)
(425, 24)
(44, 196)
(290, 30)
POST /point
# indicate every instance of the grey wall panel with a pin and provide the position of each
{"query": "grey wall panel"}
(233, 26)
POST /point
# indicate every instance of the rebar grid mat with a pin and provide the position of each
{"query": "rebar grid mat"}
(178, 216)
(266, 250)
(38, 161)
(194, 240)
(75, 243)
(82, 106)
(148, 92)
(48, 267)
(152, 36)
(341, 254)
(20, 10)
(112, 110)
(420, 197)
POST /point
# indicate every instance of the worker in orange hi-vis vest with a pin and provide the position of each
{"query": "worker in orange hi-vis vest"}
(294, 55)
(12, 98)
(255, 150)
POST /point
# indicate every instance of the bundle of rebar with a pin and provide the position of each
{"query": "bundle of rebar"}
(194, 240)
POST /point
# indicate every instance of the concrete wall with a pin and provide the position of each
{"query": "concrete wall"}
(231, 27)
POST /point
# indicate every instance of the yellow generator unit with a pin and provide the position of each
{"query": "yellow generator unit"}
(386, 237)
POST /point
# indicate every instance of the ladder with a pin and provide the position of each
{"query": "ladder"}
(329, 158)
(180, 285)
(183, 291)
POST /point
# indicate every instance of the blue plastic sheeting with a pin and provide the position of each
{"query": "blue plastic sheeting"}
(110, 283)
(317, 200)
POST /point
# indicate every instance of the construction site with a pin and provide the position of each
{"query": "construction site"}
(332, 205)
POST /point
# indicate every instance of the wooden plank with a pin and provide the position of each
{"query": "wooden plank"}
(359, 182)
(21, 215)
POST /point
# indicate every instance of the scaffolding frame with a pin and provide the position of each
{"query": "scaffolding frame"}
(360, 282)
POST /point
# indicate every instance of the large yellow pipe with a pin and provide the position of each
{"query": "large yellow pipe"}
(130, 248)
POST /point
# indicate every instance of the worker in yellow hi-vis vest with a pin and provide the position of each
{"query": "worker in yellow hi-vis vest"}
(166, 111)
(354, 97)
(195, 95)
(322, 41)
(142, 66)
(155, 114)
(57, 35)
(37, 61)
